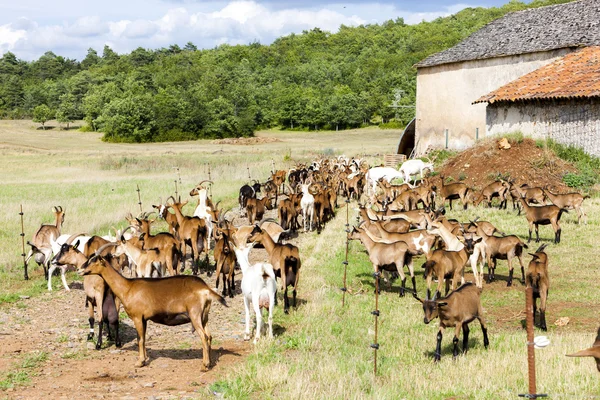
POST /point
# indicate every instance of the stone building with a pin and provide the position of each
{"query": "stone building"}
(560, 101)
(450, 82)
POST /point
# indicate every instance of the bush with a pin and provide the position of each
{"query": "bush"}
(588, 166)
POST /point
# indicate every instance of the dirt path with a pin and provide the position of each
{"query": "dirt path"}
(56, 323)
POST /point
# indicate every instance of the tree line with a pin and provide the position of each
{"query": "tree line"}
(310, 81)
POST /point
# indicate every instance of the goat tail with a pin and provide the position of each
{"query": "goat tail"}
(587, 196)
(217, 297)
(519, 249)
(428, 265)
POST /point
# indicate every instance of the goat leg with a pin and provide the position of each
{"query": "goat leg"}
(403, 287)
(465, 329)
(286, 302)
(91, 321)
(510, 273)
(99, 342)
(543, 320)
(438, 346)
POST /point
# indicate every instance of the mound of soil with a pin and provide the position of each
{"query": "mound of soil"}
(523, 161)
(246, 141)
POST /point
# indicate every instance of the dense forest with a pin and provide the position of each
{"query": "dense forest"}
(313, 80)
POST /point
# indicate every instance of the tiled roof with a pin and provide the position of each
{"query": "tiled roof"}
(528, 31)
(575, 75)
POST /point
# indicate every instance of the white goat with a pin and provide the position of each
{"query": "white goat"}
(413, 167)
(259, 287)
(203, 211)
(376, 173)
(56, 245)
(308, 206)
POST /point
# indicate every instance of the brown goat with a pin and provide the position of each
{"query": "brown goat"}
(532, 195)
(569, 201)
(543, 215)
(169, 301)
(191, 233)
(255, 208)
(387, 256)
(593, 351)
(458, 309)
(165, 242)
(225, 263)
(503, 248)
(537, 278)
(445, 265)
(40, 243)
(285, 259)
(495, 189)
(97, 292)
(453, 191)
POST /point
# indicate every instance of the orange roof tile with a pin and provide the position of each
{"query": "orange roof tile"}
(575, 75)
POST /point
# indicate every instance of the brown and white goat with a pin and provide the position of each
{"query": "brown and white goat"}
(169, 301)
(543, 215)
(40, 243)
(569, 201)
(458, 309)
(537, 278)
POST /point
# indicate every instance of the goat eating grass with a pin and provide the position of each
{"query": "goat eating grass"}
(457, 309)
(168, 301)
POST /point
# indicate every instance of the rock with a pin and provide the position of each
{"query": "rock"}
(22, 297)
(90, 345)
(149, 385)
(117, 351)
(70, 345)
(503, 144)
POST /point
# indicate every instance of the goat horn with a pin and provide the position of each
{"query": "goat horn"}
(170, 197)
(206, 180)
(72, 237)
(104, 246)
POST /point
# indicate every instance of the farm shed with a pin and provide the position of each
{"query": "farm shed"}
(560, 101)
(449, 82)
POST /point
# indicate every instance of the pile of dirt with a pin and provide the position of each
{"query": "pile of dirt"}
(246, 141)
(522, 160)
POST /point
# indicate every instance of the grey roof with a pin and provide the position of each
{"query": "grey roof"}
(528, 31)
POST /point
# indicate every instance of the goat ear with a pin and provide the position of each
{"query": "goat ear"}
(76, 244)
(442, 303)
(535, 256)
(142, 236)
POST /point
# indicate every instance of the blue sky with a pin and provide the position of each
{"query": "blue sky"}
(29, 28)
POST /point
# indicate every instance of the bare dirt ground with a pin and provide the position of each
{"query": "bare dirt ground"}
(56, 324)
(524, 162)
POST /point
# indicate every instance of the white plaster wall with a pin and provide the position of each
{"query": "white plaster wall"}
(575, 123)
(445, 94)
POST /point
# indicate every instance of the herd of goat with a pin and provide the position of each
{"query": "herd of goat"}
(143, 271)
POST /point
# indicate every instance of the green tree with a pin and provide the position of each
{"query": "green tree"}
(42, 114)
(129, 119)
(67, 110)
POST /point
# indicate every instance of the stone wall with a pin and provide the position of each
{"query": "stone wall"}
(570, 122)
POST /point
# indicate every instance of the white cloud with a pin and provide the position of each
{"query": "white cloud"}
(87, 27)
(140, 29)
(236, 22)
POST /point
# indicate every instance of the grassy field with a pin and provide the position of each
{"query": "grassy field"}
(324, 351)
